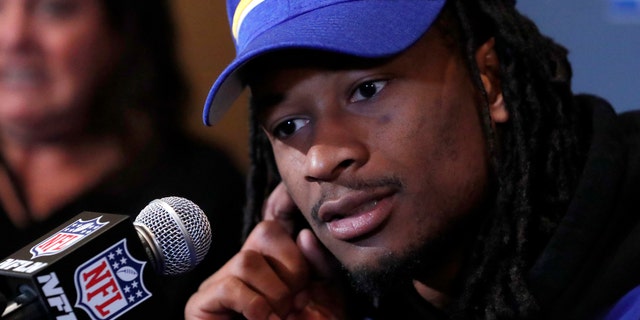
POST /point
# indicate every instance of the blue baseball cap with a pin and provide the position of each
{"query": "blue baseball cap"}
(361, 28)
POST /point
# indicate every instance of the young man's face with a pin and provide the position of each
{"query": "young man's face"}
(384, 162)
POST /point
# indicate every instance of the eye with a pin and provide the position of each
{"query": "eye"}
(288, 127)
(367, 90)
(57, 8)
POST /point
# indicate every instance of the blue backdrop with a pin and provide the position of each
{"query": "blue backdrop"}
(603, 37)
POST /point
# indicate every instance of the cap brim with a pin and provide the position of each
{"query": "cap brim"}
(355, 28)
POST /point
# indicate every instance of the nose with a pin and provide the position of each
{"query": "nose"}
(14, 26)
(337, 147)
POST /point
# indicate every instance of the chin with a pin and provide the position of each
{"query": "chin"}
(389, 276)
(390, 271)
(380, 273)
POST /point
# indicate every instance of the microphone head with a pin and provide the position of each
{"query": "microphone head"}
(177, 232)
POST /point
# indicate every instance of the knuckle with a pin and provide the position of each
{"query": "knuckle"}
(257, 308)
(227, 287)
(281, 301)
(265, 229)
(247, 261)
(280, 295)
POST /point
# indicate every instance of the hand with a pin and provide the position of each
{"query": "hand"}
(272, 277)
(260, 282)
(281, 208)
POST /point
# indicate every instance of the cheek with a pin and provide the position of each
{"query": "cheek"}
(441, 126)
(80, 58)
(440, 150)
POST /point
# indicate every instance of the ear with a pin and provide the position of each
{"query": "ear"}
(489, 67)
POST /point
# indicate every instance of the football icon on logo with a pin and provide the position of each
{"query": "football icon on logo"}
(116, 269)
(127, 273)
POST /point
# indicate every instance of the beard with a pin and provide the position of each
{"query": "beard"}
(394, 272)
(429, 258)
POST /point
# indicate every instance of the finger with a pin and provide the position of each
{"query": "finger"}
(307, 308)
(280, 207)
(247, 284)
(217, 302)
(258, 273)
(270, 239)
(313, 312)
(279, 204)
(319, 258)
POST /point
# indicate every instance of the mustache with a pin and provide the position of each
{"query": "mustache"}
(391, 182)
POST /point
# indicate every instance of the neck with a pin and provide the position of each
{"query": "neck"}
(441, 285)
(40, 176)
(438, 288)
(434, 296)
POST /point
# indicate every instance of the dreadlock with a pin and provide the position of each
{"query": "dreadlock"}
(262, 175)
(536, 156)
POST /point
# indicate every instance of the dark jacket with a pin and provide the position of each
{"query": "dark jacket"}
(593, 258)
(180, 167)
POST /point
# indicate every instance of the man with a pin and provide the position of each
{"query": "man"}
(437, 154)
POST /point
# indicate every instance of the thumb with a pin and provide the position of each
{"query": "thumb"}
(320, 259)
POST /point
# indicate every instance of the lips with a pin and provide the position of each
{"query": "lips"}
(356, 215)
(20, 75)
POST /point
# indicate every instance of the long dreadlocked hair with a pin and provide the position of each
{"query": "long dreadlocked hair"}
(537, 167)
(536, 156)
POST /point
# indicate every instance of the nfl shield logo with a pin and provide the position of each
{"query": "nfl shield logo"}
(66, 237)
(110, 283)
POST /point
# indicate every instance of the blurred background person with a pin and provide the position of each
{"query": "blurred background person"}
(91, 96)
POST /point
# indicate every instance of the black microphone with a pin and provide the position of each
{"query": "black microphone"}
(94, 266)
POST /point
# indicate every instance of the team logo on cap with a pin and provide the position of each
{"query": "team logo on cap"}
(110, 284)
(66, 237)
(242, 10)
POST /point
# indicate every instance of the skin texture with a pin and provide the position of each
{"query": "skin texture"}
(53, 53)
(386, 163)
(53, 56)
